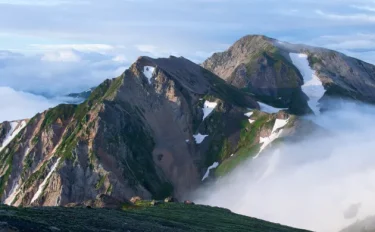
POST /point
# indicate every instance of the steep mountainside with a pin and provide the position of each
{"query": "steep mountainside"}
(288, 75)
(152, 132)
(8, 130)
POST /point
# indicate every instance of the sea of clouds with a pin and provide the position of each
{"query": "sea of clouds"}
(322, 183)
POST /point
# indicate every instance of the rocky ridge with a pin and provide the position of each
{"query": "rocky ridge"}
(264, 67)
(135, 135)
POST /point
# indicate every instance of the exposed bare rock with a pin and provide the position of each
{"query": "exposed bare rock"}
(263, 66)
(135, 199)
(127, 139)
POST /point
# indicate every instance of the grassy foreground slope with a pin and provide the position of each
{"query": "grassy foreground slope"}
(164, 217)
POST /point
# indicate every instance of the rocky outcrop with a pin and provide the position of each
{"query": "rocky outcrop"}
(152, 132)
(253, 63)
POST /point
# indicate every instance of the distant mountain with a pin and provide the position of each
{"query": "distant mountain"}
(80, 97)
(293, 76)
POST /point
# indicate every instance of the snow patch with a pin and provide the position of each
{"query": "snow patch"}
(13, 193)
(208, 107)
(276, 132)
(249, 115)
(269, 109)
(213, 166)
(16, 127)
(312, 87)
(43, 184)
(148, 71)
(199, 138)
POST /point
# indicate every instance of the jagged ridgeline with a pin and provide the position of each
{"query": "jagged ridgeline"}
(151, 132)
(293, 76)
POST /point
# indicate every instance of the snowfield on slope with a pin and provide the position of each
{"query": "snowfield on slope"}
(213, 166)
(312, 87)
(13, 193)
(16, 127)
(276, 133)
(148, 71)
(208, 107)
(43, 184)
(249, 116)
(199, 138)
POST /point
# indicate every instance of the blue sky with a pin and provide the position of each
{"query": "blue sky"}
(53, 47)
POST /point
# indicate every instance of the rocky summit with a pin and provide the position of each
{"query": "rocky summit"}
(168, 126)
(276, 73)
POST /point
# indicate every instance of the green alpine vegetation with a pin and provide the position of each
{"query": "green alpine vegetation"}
(165, 217)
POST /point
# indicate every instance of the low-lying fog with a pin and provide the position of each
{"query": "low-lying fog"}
(323, 183)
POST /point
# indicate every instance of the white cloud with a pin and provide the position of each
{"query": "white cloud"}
(15, 105)
(147, 48)
(361, 18)
(43, 2)
(61, 56)
(120, 58)
(312, 184)
(100, 48)
(58, 72)
(366, 8)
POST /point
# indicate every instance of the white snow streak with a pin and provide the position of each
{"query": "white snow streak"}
(208, 108)
(249, 114)
(43, 184)
(279, 123)
(13, 193)
(148, 71)
(16, 127)
(313, 87)
(199, 138)
(213, 166)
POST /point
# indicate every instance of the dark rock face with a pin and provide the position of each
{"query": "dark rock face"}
(128, 139)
